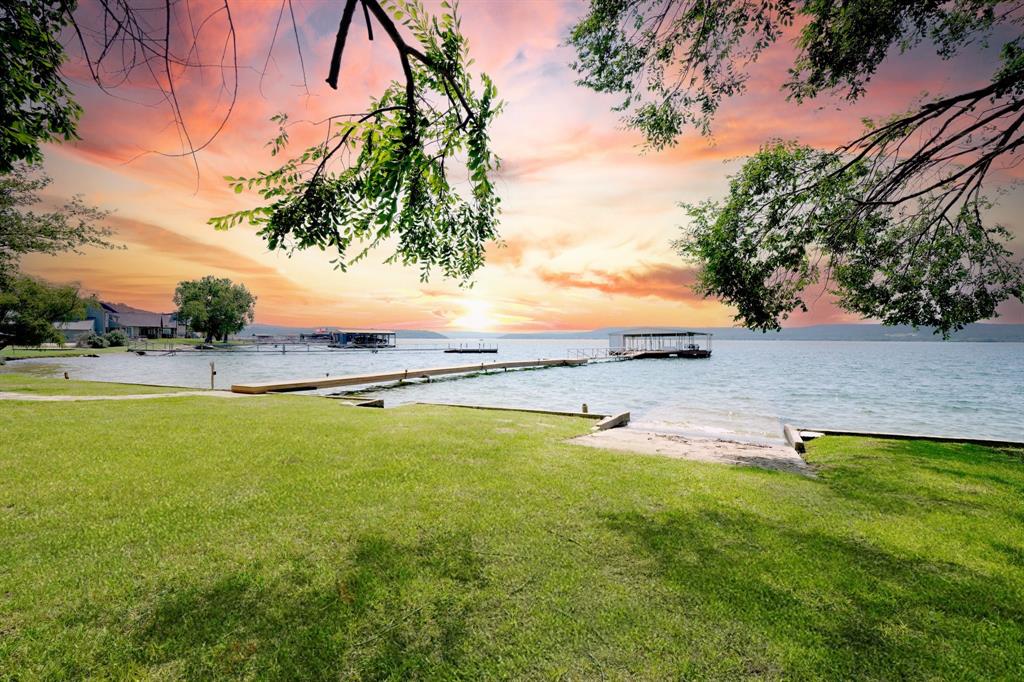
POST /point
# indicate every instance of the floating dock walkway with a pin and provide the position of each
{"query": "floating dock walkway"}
(358, 379)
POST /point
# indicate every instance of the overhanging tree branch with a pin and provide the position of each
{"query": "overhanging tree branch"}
(895, 218)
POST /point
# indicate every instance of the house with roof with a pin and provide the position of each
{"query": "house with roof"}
(134, 322)
(74, 330)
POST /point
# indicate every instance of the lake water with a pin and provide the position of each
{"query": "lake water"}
(744, 391)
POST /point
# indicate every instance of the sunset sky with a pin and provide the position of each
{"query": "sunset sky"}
(587, 216)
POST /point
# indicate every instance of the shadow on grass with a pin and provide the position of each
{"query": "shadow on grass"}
(390, 609)
(915, 477)
(810, 604)
(1014, 555)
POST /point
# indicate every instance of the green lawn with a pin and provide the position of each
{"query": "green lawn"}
(21, 382)
(290, 537)
(14, 353)
(21, 353)
(168, 344)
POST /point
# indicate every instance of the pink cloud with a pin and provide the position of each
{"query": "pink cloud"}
(669, 282)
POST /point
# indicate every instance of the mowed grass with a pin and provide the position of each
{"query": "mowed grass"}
(155, 345)
(170, 344)
(289, 537)
(12, 353)
(20, 382)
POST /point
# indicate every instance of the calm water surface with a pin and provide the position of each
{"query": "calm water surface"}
(743, 391)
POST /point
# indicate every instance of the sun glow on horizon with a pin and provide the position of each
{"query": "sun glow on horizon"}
(476, 316)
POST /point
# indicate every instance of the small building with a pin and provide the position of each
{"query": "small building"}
(363, 338)
(134, 322)
(73, 331)
(654, 343)
(147, 325)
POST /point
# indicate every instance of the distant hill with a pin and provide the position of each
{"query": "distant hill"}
(419, 334)
(981, 332)
(278, 330)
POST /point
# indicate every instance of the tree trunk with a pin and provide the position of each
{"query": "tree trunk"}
(209, 337)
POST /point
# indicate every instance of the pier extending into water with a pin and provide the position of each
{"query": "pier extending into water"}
(401, 375)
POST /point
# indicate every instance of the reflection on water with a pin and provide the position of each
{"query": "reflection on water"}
(961, 389)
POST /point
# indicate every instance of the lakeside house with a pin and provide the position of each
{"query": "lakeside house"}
(73, 331)
(134, 322)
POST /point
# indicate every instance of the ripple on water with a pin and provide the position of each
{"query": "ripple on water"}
(743, 391)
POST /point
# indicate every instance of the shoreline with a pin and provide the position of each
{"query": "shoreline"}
(741, 395)
(664, 438)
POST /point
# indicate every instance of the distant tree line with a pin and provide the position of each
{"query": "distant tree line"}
(29, 306)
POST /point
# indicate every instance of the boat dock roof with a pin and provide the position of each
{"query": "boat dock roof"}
(659, 332)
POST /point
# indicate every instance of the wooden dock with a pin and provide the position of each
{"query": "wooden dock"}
(402, 375)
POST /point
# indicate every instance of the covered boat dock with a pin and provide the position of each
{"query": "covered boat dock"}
(640, 344)
(363, 338)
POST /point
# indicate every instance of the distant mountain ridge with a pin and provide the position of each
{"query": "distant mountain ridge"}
(980, 332)
(279, 330)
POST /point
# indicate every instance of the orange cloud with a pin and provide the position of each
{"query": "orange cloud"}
(664, 281)
(511, 251)
(139, 280)
(674, 283)
(178, 245)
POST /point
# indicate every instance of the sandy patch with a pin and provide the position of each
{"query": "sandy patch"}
(775, 457)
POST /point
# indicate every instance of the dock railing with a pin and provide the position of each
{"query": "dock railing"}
(479, 347)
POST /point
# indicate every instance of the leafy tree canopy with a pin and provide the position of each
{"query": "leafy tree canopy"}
(413, 169)
(29, 307)
(36, 104)
(791, 220)
(387, 174)
(894, 221)
(214, 306)
(73, 226)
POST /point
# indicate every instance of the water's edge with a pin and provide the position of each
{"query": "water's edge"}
(744, 391)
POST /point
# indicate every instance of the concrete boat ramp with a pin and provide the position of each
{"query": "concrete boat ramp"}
(718, 451)
(401, 375)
